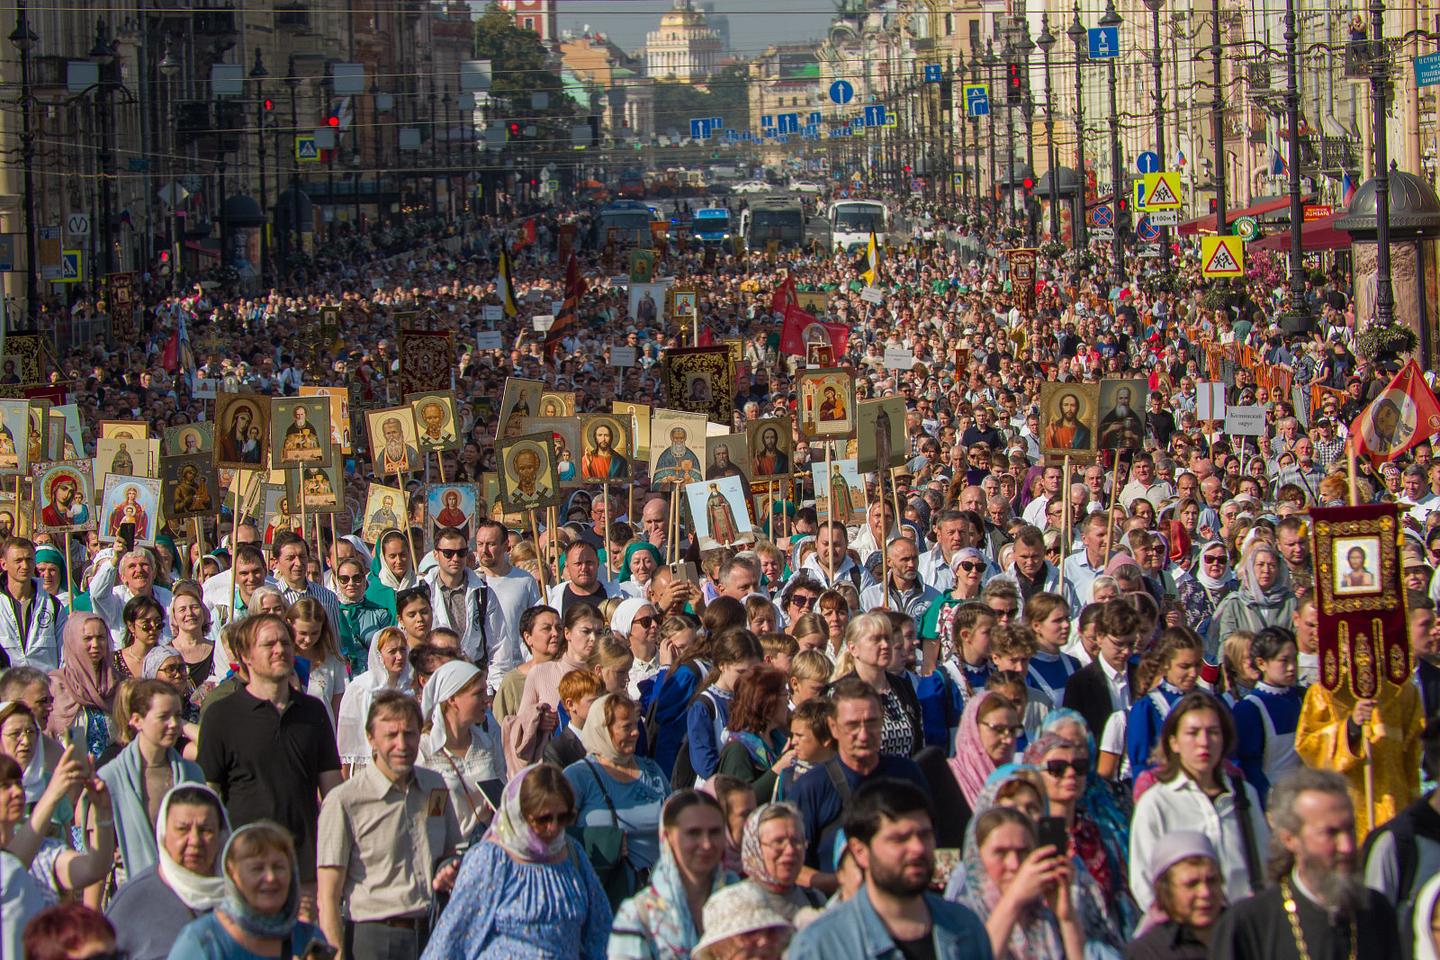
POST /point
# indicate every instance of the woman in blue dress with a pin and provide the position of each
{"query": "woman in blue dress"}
(525, 892)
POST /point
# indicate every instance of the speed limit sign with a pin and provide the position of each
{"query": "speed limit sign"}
(78, 225)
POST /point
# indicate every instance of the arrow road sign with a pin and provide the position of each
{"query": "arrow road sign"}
(1148, 162)
(875, 115)
(977, 99)
(842, 92)
(1104, 43)
(932, 73)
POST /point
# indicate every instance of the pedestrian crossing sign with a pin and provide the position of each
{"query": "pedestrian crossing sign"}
(305, 148)
(1162, 191)
(1222, 256)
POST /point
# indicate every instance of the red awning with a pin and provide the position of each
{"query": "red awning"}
(1316, 235)
(1206, 224)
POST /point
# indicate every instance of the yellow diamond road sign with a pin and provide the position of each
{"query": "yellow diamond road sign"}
(1222, 256)
(1162, 191)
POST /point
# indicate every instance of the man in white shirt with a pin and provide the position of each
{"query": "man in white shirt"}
(1417, 494)
(1082, 567)
(462, 601)
(515, 591)
(935, 568)
(1035, 510)
(120, 577)
(1143, 483)
(831, 563)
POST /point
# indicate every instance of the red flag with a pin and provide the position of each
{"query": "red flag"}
(529, 231)
(569, 316)
(784, 296)
(801, 328)
(1404, 414)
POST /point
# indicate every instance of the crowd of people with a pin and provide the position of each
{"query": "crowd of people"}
(1006, 712)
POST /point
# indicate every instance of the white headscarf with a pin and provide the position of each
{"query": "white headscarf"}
(624, 616)
(199, 893)
(350, 735)
(361, 551)
(444, 683)
(34, 779)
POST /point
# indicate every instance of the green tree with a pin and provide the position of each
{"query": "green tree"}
(519, 67)
(725, 95)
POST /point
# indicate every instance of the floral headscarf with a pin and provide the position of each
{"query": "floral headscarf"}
(513, 832)
(752, 858)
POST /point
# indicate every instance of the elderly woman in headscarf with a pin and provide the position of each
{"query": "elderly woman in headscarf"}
(154, 905)
(525, 890)
(1030, 909)
(462, 740)
(1210, 582)
(636, 623)
(1178, 926)
(772, 854)
(638, 565)
(389, 670)
(663, 920)
(84, 686)
(1265, 598)
(50, 568)
(259, 913)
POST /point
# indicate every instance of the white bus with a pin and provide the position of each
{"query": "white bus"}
(852, 222)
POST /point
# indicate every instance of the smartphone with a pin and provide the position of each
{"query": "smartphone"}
(1052, 832)
(127, 535)
(684, 570)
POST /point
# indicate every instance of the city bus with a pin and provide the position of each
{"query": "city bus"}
(778, 218)
(630, 221)
(852, 222)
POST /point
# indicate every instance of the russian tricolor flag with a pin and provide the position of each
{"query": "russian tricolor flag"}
(1347, 188)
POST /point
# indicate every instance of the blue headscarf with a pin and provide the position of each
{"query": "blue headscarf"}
(1097, 802)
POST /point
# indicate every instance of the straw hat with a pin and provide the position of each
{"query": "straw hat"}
(740, 908)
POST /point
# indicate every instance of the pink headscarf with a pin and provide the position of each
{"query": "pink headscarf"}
(971, 765)
(1116, 562)
(79, 683)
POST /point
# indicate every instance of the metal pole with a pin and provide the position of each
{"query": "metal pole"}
(1117, 242)
(1155, 6)
(1379, 96)
(1078, 34)
(292, 80)
(990, 79)
(1047, 42)
(258, 74)
(1217, 119)
(1297, 216)
(1027, 113)
(24, 39)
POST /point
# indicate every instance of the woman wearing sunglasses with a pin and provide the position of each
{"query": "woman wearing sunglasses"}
(1213, 581)
(1194, 792)
(968, 565)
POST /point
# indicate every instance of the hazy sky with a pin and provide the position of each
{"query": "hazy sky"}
(754, 24)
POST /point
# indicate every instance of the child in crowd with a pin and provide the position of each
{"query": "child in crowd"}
(1167, 672)
(1048, 615)
(578, 690)
(1266, 719)
(1012, 650)
(969, 663)
(809, 673)
(780, 649)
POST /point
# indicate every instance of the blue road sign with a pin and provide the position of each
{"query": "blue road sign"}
(932, 73)
(875, 115)
(1146, 230)
(977, 100)
(7, 253)
(1148, 162)
(698, 129)
(787, 123)
(1102, 216)
(1427, 70)
(856, 122)
(842, 92)
(767, 120)
(815, 117)
(1104, 43)
(716, 123)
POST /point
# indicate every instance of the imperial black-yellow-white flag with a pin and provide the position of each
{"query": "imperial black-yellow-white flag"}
(505, 286)
(872, 262)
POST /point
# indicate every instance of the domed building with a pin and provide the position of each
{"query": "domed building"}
(685, 48)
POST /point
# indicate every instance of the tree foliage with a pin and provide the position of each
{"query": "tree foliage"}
(519, 65)
(725, 95)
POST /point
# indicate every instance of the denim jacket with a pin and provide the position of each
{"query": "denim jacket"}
(854, 929)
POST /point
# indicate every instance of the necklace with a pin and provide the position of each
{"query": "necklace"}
(1288, 898)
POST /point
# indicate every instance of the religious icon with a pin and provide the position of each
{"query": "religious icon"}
(130, 500)
(434, 421)
(384, 508)
(452, 505)
(521, 399)
(280, 512)
(528, 477)
(1122, 414)
(243, 433)
(124, 429)
(727, 455)
(642, 266)
(639, 414)
(65, 495)
(300, 431)
(317, 489)
(189, 486)
(770, 447)
(645, 300)
(37, 434)
(557, 403)
(14, 431)
(839, 483)
(1388, 424)
(564, 445)
(678, 462)
(605, 444)
(701, 380)
(73, 443)
(881, 435)
(392, 441)
(190, 438)
(826, 408)
(1356, 564)
(1067, 417)
(719, 513)
(339, 414)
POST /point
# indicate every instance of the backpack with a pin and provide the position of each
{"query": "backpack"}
(683, 776)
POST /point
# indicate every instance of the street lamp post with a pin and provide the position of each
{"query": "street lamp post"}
(378, 159)
(1217, 119)
(1298, 310)
(258, 73)
(170, 69)
(1154, 7)
(1117, 243)
(1026, 46)
(1010, 97)
(990, 63)
(103, 53)
(292, 80)
(977, 181)
(1379, 96)
(1079, 36)
(1046, 42)
(23, 39)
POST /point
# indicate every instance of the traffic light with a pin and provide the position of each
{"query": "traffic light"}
(1028, 184)
(1015, 82)
(332, 120)
(512, 130)
(1122, 213)
(267, 105)
(1214, 205)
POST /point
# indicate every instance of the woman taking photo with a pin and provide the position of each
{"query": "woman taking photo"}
(758, 729)
(664, 920)
(871, 646)
(1020, 892)
(772, 853)
(190, 629)
(525, 890)
(1184, 872)
(259, 913)
(1191, 791)
(144, 623)
(84, 686)
(389, 670)
(462, 741)
(618, 797)
(146, 770)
